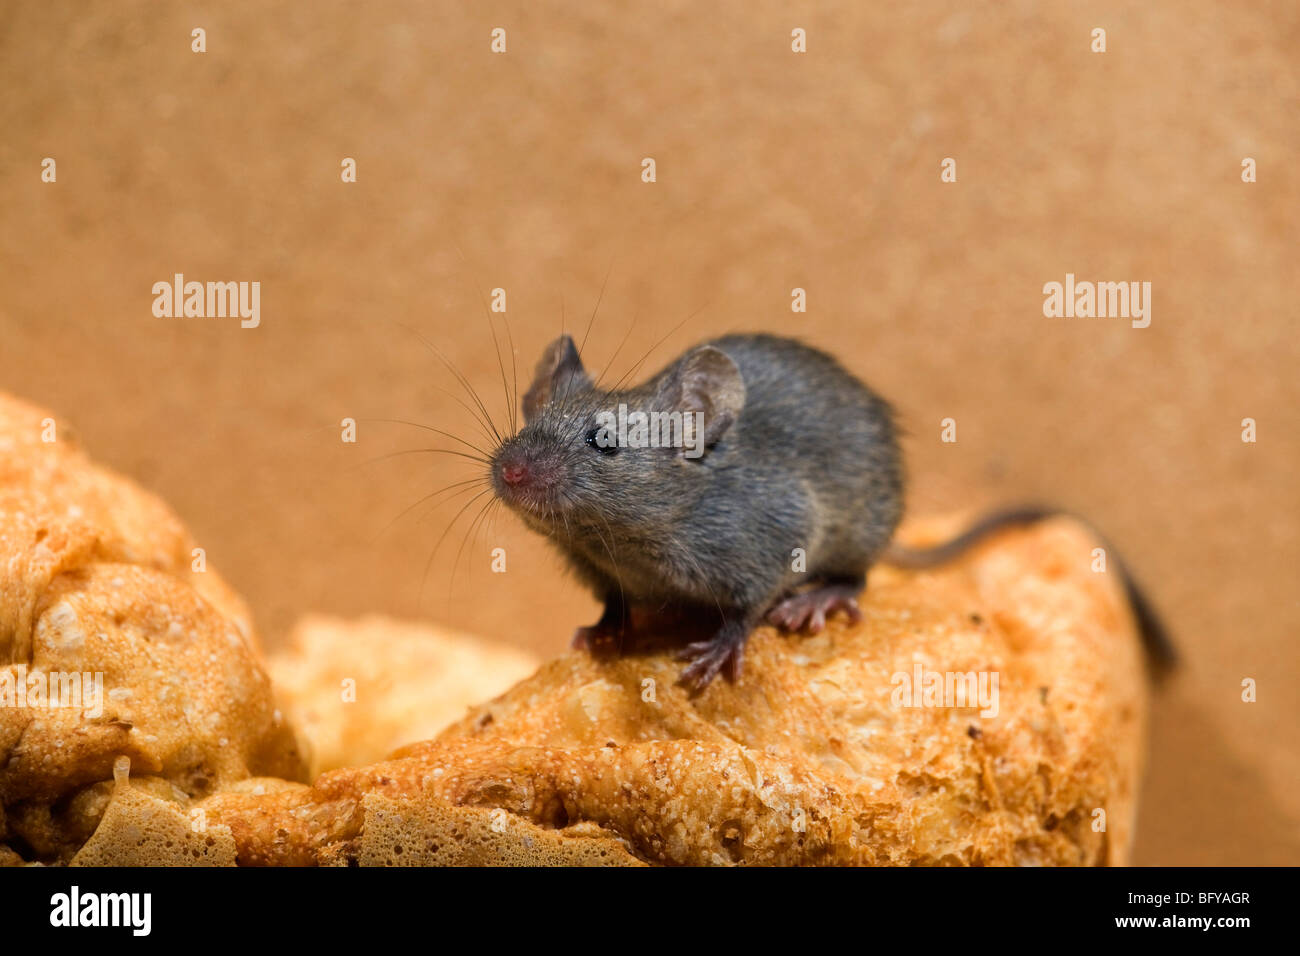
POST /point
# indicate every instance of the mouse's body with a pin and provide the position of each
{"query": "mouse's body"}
(777, 510)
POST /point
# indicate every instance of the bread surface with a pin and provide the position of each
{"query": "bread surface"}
(817, 755)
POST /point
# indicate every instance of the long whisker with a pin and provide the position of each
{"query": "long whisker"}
(626, 336)
(479, 411)
(474, 413)
(429, 428)
(510, 396)
(464, 382)
(478, 416)
(635, 368)
(406, 451)
(514, 375)
(464, 486)
(474, 527)
(492, 519)
(599, 298)
(695, 563)
(432, 554)
(618, 571)
(441, 451)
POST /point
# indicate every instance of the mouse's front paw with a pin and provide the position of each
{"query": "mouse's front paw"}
(708, 658)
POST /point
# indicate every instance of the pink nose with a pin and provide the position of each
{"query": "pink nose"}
(514, 473)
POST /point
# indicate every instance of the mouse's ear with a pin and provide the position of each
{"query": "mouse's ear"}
(560, 371)
(707, 381)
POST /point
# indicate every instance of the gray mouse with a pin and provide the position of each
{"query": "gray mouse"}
(752, 479)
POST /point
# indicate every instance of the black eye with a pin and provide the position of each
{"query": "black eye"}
(610, 449)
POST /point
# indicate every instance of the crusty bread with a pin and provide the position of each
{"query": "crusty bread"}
(811, 758)
(356, 690)
(97, 578)
(807, 760)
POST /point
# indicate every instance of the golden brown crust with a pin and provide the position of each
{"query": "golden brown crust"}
(356, 690)
(808, 759)
(96, 585)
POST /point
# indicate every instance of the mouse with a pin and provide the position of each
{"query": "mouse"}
(753, 479)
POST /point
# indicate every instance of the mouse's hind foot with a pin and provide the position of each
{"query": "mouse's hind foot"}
(807, 610)
(606, 635)
(595, 638)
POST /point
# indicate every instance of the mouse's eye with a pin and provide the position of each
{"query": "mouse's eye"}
(605, 444)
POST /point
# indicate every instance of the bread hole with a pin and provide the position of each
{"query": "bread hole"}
(916, 785)
(494, 795)
(731, 836)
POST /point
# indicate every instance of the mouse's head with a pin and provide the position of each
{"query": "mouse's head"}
(607, 459)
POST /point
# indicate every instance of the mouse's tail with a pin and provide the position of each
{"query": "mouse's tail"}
(918, 559)
(1160, 648)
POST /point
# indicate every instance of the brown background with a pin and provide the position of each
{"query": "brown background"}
(775, 170)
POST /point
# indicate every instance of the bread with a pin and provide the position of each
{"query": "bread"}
(356, 690)
(159, 661)
(807, 760)
(812, 758)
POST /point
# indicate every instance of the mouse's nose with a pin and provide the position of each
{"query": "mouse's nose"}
(514, 473)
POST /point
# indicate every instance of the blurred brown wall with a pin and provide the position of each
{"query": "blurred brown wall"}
(775, 170)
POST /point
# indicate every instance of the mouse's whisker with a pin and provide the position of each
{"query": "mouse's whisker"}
(464, 382)
(618, 571)
(442, 537)
(464, 486)
(455, 453)
(419, 451)
(488, 434)
(474, 528)
(693, 560)
(437, 431)
(510, 396)
(626, 335)
(456, 490)
(428, 428)
(599, 299)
